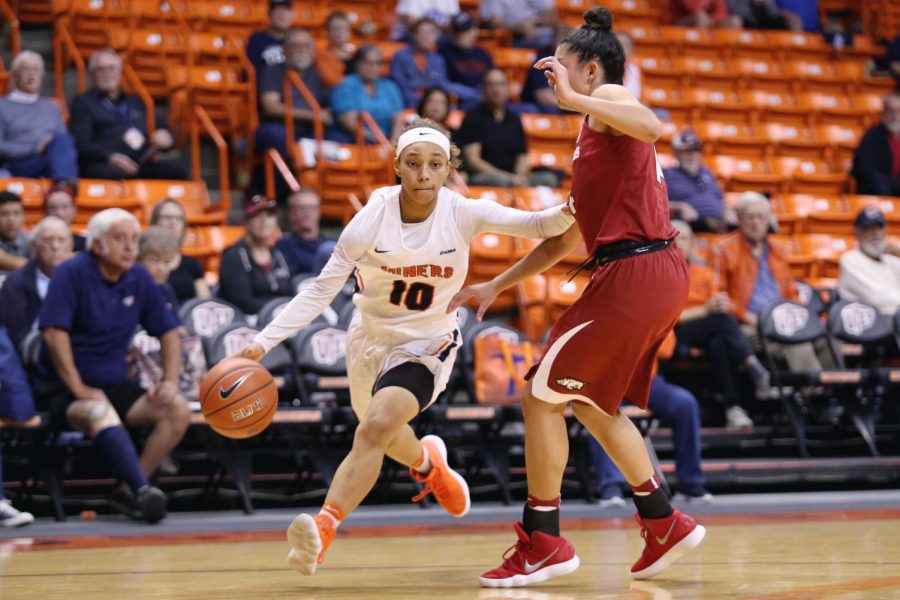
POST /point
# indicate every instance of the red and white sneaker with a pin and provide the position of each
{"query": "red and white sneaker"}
(665, 541)
(535, 559)
(449, 488)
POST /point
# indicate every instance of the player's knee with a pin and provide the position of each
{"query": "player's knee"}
(91, 416)
(584, 412)
(376, 430)
(532, 406)
(179, 412)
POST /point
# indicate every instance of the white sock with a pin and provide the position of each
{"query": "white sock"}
(425, 467)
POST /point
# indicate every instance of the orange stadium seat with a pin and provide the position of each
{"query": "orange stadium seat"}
(311, 17)
(709, 72)
(235, 17)
(551, 133)
(673, 100)
(531, 295)
(826, 251)
(731, 139)
(746, 173)
(841, 143)
(840, 109)
(192, 195)
(95, 195)
(562, 293)
(89, 22)
(516, 63)
(826, 75)
(791, 140)
(489, 255)
(722, 105)
(783, 107)
(794, 44)
(830, 214)
(530, 198)
(810, 175)
(151, 52)
(357, 171)
(648, 39)
(791, 210)
(762, 75)
(688, 41)
(745, 43)
(207, 243)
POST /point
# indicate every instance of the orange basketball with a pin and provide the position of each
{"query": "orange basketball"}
(238, 397)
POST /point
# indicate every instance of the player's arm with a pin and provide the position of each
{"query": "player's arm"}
(481, 216)
(545, 255)
(312, 300)
(609, 105)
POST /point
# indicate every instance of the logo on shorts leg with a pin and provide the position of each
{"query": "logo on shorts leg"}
(570, 383)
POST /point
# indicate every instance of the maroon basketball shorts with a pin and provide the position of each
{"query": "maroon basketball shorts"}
(603, 348)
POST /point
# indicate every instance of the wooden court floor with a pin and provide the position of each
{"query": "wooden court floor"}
(783, 556)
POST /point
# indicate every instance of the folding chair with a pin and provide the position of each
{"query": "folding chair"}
(205, 316)
(320, 353)
(270, 310)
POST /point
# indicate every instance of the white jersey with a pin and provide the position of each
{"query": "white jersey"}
(408, 272)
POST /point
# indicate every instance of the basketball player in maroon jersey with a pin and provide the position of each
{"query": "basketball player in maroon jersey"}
(604, 346)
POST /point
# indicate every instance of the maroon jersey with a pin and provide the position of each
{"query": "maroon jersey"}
(618, 190)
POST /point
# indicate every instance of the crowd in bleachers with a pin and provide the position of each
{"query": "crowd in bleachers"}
(751, 180)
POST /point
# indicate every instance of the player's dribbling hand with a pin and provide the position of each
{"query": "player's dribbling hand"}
(483, 293)
(253, 351)
(558, 78)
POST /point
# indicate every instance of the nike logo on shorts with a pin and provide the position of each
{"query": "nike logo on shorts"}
(531, 568)
(223, 393)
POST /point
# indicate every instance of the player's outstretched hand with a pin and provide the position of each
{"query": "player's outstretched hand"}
(558, 78)
(483, 293)
(253, 351)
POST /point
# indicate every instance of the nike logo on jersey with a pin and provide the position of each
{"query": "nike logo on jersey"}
(450, 251)
(381, 251)
(223, 393)
(662, 540)
(531, 568)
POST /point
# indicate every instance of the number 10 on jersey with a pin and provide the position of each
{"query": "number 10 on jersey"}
(416, 296)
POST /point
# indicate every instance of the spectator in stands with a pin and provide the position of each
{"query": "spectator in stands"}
(707, 323)
(764, 14)
(110, 128)
(870, 272)
(753, 270)
(876, 163)
(252, 271)
(537, 96)
(300, 53)
(679, 408)
(366, 90)
(694, 193)
(59, 201)
(24, 290)
(807, 11)
(336, 58)
(466, 62)
(14, 240)
(409, 12)
(704, 14)
(33, 137)
(418, 67)
(533, 22)
(187, 278)
(157, 251)
(94, 303)
(265, 48)
(303, 247)
(493, 141)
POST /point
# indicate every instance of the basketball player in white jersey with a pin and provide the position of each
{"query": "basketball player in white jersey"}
(410, 248)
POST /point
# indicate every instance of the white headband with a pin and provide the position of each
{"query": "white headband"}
(423, 134)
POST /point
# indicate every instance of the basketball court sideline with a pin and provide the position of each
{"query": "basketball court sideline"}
(775, 546)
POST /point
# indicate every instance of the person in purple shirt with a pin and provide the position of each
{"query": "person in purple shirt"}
(694, 194)
(467, 63)
(303, 247)
(93, 305)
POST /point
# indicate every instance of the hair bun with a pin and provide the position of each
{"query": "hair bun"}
(598, 19)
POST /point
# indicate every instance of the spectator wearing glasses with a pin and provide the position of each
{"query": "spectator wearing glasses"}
(694, 194)
(252, 270)
(187, 278)
(365, 90)
(110, 128)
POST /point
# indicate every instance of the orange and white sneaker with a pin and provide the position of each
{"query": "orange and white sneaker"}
(309, 537)
(449, 488)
